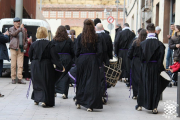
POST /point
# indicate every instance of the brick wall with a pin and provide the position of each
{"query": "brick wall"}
(7, 5)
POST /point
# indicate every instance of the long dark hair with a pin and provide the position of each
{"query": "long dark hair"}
(178, 27)
(72, 33)
(142, 36)
(88, 34)
(61, 34)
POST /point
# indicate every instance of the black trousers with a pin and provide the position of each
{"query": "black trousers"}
(26, 67)
(1, 67)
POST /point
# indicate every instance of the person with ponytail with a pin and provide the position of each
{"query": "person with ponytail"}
(88, 53)
(64, 48)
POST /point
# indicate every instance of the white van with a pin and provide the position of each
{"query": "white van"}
(31, 25)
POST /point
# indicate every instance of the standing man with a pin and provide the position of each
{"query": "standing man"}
(158, 30)
(17, 50)
(4, 38)
(122, 44)
(96, 21)
(151, 83)
(170, 51)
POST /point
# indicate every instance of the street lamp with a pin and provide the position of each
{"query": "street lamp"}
(107, 11)
(117, 2)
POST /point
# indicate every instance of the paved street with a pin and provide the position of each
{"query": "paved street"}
(15, 105)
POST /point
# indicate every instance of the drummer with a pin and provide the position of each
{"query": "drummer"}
(107, 54)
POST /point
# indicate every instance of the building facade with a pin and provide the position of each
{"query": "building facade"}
(7, 8)
(74, 12)
(162, 13)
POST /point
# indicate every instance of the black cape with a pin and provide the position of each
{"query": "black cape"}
(134, 56)
(88, 90)
(42, 55)
(65, 49)
(151, 83)
(122, 43)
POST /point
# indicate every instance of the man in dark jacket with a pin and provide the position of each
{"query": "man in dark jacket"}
(96, 21)
(4, 38)
(123, 41)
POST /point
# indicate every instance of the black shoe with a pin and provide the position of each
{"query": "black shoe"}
(138, 108)
(155, 111)
(71, 85)
(74, 98)
(134, 97)
(169, 85)
(128, 85)
(104, 101)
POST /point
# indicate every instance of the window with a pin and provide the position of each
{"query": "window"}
(53, 14)
(61, 14)
(45, 14)
(91, 15)
(114, 14)
(75, 14)
(83, 14)
(121, 15)
(67, 14)
(98, 14)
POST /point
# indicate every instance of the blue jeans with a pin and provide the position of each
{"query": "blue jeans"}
(1, 67)
(169, 58)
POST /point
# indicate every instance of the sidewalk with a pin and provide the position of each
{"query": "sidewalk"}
(15, 105)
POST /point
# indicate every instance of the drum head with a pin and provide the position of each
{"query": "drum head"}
(165, 76)
(114, 59)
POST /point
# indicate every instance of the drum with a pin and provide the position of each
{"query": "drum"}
(113, 71)
(165, 76)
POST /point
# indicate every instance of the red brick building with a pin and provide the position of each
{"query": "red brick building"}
(7, 8)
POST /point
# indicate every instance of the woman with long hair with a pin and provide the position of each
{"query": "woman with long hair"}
(134, 54)
(88, 51)
(64, 47)
(42, 56)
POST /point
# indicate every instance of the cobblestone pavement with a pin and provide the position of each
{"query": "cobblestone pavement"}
(15, 105)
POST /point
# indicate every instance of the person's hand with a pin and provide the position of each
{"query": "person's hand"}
(6, 33)
(169, 67)
(168, 36)
(30, 40)
(171, 70)
(63, 69)
(22, 26)
(177, 45)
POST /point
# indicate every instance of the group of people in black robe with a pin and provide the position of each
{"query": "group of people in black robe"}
(54, 63)
(142, 62)
(62, 61)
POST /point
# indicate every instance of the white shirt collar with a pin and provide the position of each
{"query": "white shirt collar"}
(125, 28)
(102, 31)
(42, 39)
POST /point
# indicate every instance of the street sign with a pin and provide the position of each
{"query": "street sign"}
(110, 26)
(110, 19)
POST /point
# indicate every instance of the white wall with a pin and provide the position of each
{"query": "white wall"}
(177, 16)
(133, 18)
(54, 23)
(161, 19)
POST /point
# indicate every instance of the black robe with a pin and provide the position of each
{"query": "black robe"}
(122, 43)
(134, 56)
(88, 90)
(151, 84)
(107, 54)
(65, 49)
(42, 55)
